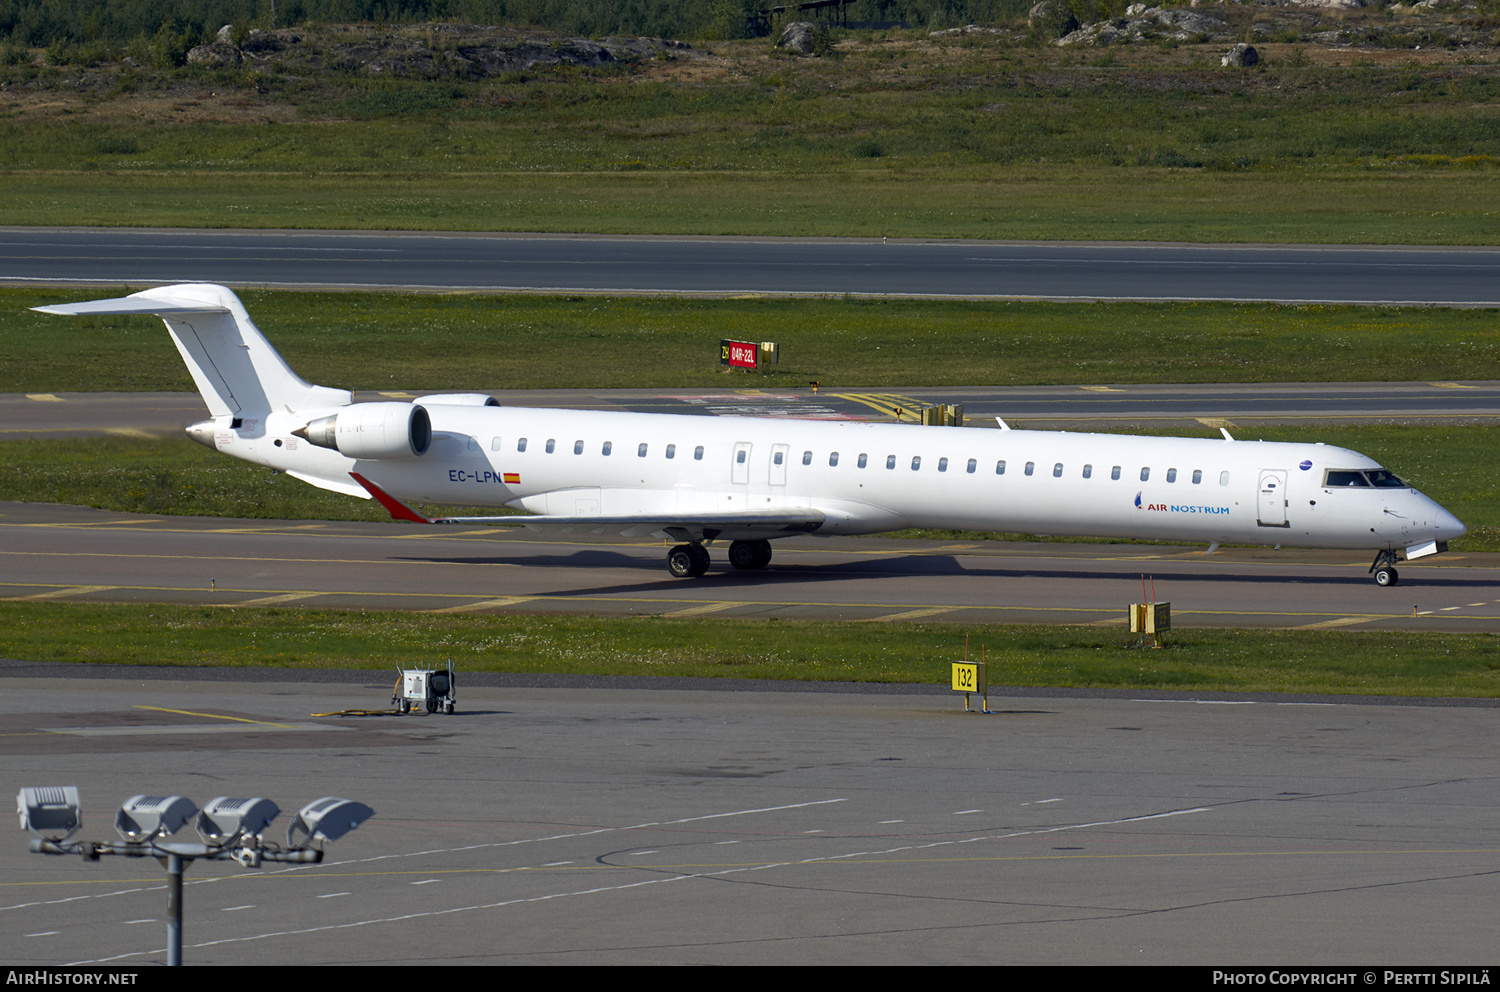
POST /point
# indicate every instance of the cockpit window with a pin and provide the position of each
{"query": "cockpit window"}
(1379, 478)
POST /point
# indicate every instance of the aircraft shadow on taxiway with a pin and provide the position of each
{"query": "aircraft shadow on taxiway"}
(912, 565)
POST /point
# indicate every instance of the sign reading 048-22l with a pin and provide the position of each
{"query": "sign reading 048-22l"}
(740, 354)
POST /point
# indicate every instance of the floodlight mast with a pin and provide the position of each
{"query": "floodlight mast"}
(231, 828)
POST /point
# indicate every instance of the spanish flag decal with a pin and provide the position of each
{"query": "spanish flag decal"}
(512, 478)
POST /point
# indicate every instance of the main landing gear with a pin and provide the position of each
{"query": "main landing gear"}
(688, 561)
(1384, 568)
(750, 554)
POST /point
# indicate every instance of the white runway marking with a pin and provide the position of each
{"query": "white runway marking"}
(501, 904)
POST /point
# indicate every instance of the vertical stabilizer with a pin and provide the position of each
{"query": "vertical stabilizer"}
(233, 365)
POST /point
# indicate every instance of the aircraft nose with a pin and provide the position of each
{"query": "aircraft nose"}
(1447, 526)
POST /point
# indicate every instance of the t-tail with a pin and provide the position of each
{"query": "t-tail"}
(234, 367)
(253, 395)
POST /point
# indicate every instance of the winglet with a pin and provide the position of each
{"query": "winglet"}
(399, 510)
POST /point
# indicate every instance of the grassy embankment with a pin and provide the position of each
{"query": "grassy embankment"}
(896, 136)
(1226, 660)
(392, 341)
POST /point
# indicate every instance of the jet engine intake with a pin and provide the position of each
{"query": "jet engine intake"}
(373, 430)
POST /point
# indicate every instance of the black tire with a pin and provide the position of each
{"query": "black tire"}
(750, 554)
(432, 705)
(1385, 576)
(700, 559)
(681, 562)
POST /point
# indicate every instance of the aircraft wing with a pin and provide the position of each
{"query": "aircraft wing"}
(681, 526)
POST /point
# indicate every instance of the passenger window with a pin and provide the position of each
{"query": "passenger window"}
(520, 444)
(1030, 467)
(608, 447)
(779, 457)
(833, 459)
(551, 445)
(890, 461)
(1171, 475)
(739, 457)
(641, 451)
(1057, 471)
(495, 444)
(807, 457)
(973, 464)
(942, 464)
(863, 460)
(577, 447)
(1145, 475)
(1114, 473)
(1088, 471)
(1223, 478)
(671, 451)
(916, 462)
(1000, 467)
(698, 453)
(471, 445)
(1197, 476)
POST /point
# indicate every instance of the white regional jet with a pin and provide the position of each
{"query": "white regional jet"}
(697, 479)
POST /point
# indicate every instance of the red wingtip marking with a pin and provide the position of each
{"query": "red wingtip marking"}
(399, 510)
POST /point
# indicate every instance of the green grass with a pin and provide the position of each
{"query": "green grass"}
(898, 137)
(1064, 202)
(387, 341)
(1401, 664)
(1453, 465)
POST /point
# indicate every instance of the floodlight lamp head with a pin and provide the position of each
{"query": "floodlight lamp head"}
(325, 819)
(50, 811)
(142, 819)
(226, 818)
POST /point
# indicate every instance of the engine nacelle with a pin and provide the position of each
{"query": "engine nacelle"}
(460, 399)
(373, 430)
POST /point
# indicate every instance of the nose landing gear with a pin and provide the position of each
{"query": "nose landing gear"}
(1384, 568)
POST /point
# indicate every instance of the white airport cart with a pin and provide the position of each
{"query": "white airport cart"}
(430, 687)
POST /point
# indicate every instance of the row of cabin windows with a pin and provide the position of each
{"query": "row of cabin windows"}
(864, 460)
(607, 448)
(973, 466)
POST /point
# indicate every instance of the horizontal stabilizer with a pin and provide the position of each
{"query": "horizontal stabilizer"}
(235, 368)
(132, 306)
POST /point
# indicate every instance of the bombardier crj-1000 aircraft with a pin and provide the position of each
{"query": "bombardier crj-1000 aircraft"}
(747, 481)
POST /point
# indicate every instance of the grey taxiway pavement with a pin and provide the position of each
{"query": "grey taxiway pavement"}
(72, 554)
(609, 824)
(724, 265)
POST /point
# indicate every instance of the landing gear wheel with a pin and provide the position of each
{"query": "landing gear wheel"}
(750, 554)
(687, 561)
(1384, 568)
